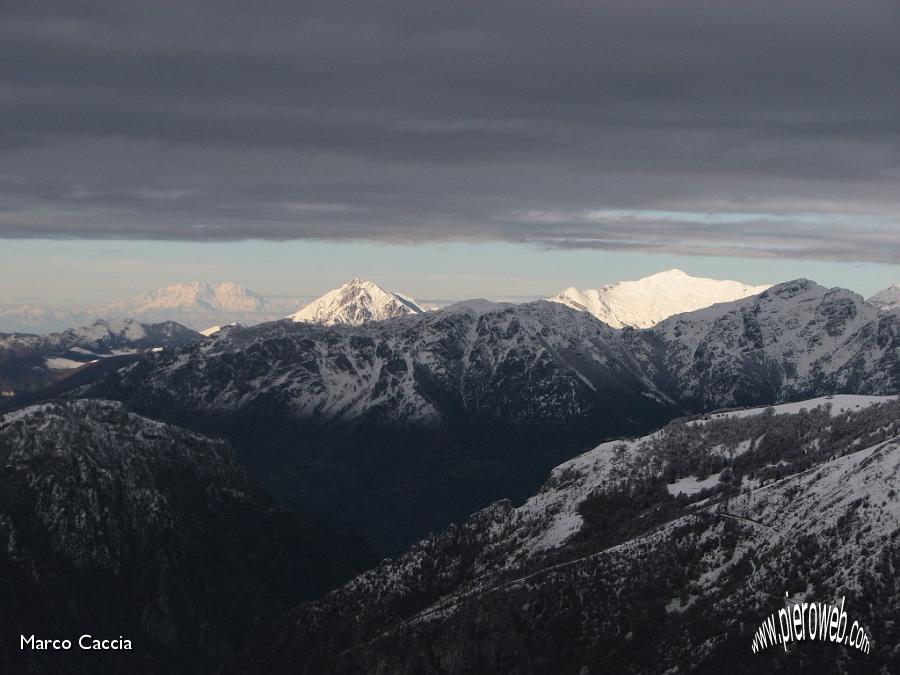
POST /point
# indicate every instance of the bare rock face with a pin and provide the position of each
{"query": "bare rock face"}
(116, 525)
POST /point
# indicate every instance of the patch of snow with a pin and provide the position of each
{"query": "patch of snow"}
(691, 485)
(59, 363)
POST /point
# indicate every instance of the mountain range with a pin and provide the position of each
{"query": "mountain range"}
(452, 406)
(189, 489)
(205, 307)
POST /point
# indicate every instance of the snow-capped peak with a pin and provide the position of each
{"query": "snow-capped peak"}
(646, 302)
(888, 299)
(355, 303)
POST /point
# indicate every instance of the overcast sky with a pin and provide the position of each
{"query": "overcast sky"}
(668, 129)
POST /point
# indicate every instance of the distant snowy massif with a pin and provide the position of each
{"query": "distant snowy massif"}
(195, 305)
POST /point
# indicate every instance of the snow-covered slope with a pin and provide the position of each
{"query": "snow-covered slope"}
(355, 303)
(604, 570)
(212, 330)
(646, 302)
(888, 299)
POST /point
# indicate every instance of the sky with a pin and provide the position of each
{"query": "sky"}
(496, 148)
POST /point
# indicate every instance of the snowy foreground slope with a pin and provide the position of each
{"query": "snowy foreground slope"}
(355, 303)
(603, 570)
(646, 302)
(117, 525)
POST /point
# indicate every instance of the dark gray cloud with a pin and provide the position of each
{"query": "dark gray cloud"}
(757, 127)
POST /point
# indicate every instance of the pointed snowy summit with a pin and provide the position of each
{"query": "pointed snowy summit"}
(355, 303)
(646, 302)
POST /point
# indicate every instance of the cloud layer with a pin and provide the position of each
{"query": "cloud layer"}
(701, 126)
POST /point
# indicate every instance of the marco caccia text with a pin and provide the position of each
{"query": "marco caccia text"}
(86, 642)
